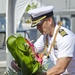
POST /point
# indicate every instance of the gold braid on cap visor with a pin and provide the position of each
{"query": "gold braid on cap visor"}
(37, 21)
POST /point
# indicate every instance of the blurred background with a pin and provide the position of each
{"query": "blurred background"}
(14, 19)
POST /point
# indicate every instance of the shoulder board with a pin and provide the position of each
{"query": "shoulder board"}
(62, 32)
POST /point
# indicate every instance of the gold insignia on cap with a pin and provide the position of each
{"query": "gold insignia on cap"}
(39, 19)
(34, 24)
(62, 32)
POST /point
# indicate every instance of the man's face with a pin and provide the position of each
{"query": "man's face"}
(44, 26)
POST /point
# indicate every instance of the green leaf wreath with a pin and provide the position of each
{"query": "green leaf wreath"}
(22, 51)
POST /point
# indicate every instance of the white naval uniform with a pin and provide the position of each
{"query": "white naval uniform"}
(64, 47)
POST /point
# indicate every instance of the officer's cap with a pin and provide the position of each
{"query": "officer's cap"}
(39, 14)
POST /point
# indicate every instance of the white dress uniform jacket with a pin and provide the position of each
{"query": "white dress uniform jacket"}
(63, 47)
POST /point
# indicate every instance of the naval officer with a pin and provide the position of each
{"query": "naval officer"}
(56, 41)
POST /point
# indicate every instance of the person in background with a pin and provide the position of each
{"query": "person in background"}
(56, 42)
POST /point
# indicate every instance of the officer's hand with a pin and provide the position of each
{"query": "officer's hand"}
(43, 73)
(14, 65)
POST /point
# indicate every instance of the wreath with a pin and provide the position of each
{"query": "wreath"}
(24, 53)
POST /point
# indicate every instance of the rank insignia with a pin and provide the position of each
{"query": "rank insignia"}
(62, 32)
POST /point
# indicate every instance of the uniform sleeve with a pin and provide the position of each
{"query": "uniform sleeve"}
(39, 44)
(66, 47)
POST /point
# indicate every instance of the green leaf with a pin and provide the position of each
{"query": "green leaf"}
(36, 66)
(22, 53)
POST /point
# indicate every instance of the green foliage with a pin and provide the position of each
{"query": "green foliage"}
(22, 53)
(28, 7)
(31, 6)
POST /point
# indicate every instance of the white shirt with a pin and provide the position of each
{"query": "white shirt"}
(64, 47)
